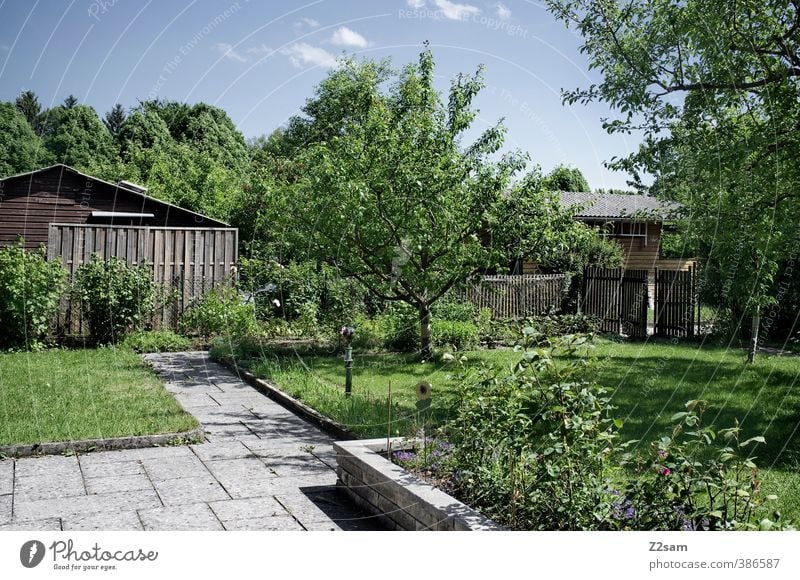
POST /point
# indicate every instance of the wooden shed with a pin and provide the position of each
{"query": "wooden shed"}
(76, 215)
(30, 202)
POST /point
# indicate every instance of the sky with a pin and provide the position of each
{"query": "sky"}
(261, 60)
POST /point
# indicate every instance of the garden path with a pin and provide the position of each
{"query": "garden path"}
(260, 468)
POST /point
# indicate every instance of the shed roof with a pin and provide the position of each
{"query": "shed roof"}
(617, 206)
(123, 186)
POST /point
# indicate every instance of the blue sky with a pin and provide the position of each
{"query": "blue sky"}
(261, 60)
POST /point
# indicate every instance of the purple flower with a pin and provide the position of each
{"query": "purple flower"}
(662, 453)
(403, 456)
(665, 471)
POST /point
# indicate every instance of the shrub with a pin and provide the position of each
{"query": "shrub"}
(532, 444)
(115, 298)
(402, 328)
(156, 341)
(455, 311)
(454, 334)
(30, 289)
(694, 478)
(370, 333)
(220, 312)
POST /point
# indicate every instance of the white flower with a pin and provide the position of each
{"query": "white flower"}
(276, 302)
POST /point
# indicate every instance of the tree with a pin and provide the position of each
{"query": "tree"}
(20, 148)
(70, 102)
(713, 86)
(387, 193)
(564, 178)
(28, 104)
(76, 136)
(114, 119)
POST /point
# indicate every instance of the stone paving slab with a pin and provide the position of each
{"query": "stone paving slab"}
(44, 525)
(118, 484)
(82, 505)
(260, 468)
(104, 521)
(189, 490)
(6, 477)
(5, 508)
(186, 517)
(43, 486)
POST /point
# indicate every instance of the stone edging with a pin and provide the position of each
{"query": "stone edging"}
(336, 430)
(401, 500)
(108, 444)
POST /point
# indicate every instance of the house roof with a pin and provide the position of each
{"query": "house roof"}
(590, 206)
(129, 188)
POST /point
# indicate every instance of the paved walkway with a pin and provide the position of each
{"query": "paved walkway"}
(261, 468)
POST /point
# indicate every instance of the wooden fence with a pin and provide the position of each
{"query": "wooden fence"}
(188, 261)
(517, 296)
(675, 303)
(618, 298)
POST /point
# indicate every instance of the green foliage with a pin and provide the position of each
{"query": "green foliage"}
(453, 310)
(20, 148)
(405, 202)
(220, 312)
(695, 478)
(564, 178)
(306, 290)
(28, 104)
(533, 443)
(156, 341)
(713, 88)
(114, 119)
(114, 297)
(77, 137)
(30, 289)
(543, 328)
(454, 334)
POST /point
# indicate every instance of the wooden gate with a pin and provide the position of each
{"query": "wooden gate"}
(675, 303)
(618, 299)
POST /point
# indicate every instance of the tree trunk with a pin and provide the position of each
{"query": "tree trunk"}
(425, 330)
(754, 326)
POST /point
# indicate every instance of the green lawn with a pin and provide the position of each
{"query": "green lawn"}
(650, 382)
(62, 395)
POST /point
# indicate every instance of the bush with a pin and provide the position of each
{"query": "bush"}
(455, 311)
(30, 289)
(156, 341)
(454, 334)
(115, 298)
(220, 312)
(532, 445)
(689, 481)
(402, 328)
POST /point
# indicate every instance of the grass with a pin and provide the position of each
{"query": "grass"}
(64, 395)
(649, 381)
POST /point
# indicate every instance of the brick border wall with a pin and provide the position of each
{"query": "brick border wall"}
(401, 500)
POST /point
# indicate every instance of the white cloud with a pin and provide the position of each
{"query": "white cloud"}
(415, 3)
(454, 11)
(301, 54)
(229, 52)
(260, 50)
(346, 37)
(503, 12)
(310, 22)
(245, 55)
